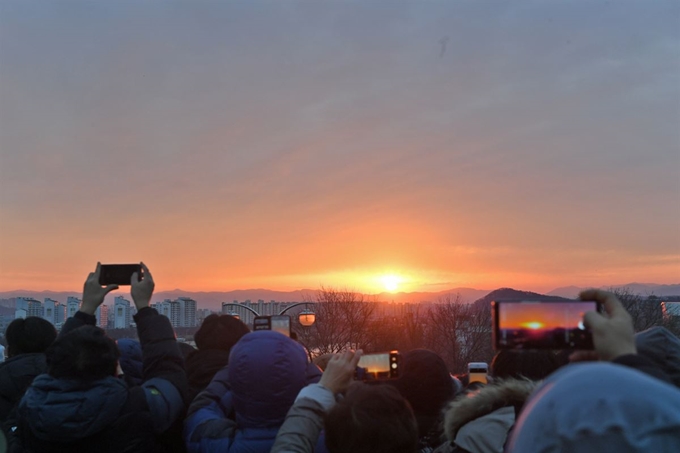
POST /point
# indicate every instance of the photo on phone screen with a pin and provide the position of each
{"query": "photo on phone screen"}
(262, 323)
(384, 365)
(118, 274)
(541, 325)
(281, 324)
(477, 372)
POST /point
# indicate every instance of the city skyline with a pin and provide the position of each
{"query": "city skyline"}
(290, 145)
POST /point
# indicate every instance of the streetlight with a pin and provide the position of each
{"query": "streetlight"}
(306, 317)
(233, 314)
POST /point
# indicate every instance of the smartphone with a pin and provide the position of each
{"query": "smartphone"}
(118, 274)
(278, 323)
(541, 324)
(477, 372)
(373, 367)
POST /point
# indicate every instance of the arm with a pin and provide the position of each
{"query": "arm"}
(165, 382)
(208, 425)
(304, 421)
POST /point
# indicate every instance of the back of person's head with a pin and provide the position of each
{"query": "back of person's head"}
(219, 332)
(29, 335)
(266, 372)
(186, 349)
(85, 353)
(426, 384)
(599, 407)
(371, 419)
(534, 365)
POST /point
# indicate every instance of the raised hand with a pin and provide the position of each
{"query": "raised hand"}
(142, 290)
(94, 293)
(339, 372)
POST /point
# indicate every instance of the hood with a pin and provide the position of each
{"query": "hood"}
(63, 410)
(466, 408)
(201, 366)
(663, 348)
(266, 372)
(596, 407)
(131, 360)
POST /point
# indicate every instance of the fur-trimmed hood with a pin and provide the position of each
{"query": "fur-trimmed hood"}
(466, 408)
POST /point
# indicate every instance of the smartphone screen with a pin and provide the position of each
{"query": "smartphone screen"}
(477, 372)
(118, 274)
(281, 324)
(542, 325)
(383, 365)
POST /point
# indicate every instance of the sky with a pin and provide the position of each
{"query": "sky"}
(369, 145)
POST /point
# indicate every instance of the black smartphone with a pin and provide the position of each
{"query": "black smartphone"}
(277, 323)
(541, 324)
(118, 274)
(373, 367)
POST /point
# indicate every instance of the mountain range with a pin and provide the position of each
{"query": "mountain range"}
(213, 300)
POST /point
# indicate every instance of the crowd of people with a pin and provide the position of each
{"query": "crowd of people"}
(241, 391)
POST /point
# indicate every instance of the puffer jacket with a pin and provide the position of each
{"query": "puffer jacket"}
(16, 374)
(68, 415)
(243, 407)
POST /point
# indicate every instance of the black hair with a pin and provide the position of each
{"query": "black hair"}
(29, 335)
(85, 353)
(219, 332)
(371, 419)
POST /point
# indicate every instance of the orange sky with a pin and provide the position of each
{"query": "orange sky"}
(541, 315)
(233, 146)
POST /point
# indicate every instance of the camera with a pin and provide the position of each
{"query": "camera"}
(118, 274)
(541, 324)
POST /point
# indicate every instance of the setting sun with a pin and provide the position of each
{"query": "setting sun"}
(535, 325)
(391, 282)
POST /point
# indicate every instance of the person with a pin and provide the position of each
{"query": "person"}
(130, 361)
(663, 348)
(369, 418)
(425, 382)
(244, 405)
(479, 421)
(27, 340)
(214, 340)
(627, 405)
(81, 405)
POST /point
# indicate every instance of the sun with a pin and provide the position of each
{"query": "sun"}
(390, 282)
(534, 325)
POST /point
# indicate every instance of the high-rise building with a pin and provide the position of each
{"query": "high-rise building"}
(53, 312)
(187, 312)
(121, 313)
(72, 306)
(27, 306)
(102, 315)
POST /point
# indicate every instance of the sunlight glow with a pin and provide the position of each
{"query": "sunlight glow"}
(535, 325)
(391, 282)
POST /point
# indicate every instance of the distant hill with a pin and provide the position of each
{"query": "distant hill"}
(213, 300)
(644, 289)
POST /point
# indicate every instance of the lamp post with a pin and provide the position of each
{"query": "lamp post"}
(306, 317)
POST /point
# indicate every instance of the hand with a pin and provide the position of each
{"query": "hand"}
(339, 372)
(613, 333)
(94, 293)
(142, 290)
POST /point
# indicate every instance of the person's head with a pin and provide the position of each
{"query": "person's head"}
(663, 348)
(219, 332)
(599, 407)
(371, 419)
(131, 360)
(534, 365)
(85, 353)
(267, 370)
(426, 384)
(29, 335)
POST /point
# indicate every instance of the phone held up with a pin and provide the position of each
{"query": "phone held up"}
(277, 323)
(477, 372)
(541, 324)
(118, 274)
(376, 367)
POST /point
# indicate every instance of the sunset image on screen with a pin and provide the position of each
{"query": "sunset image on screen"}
(542, 315)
